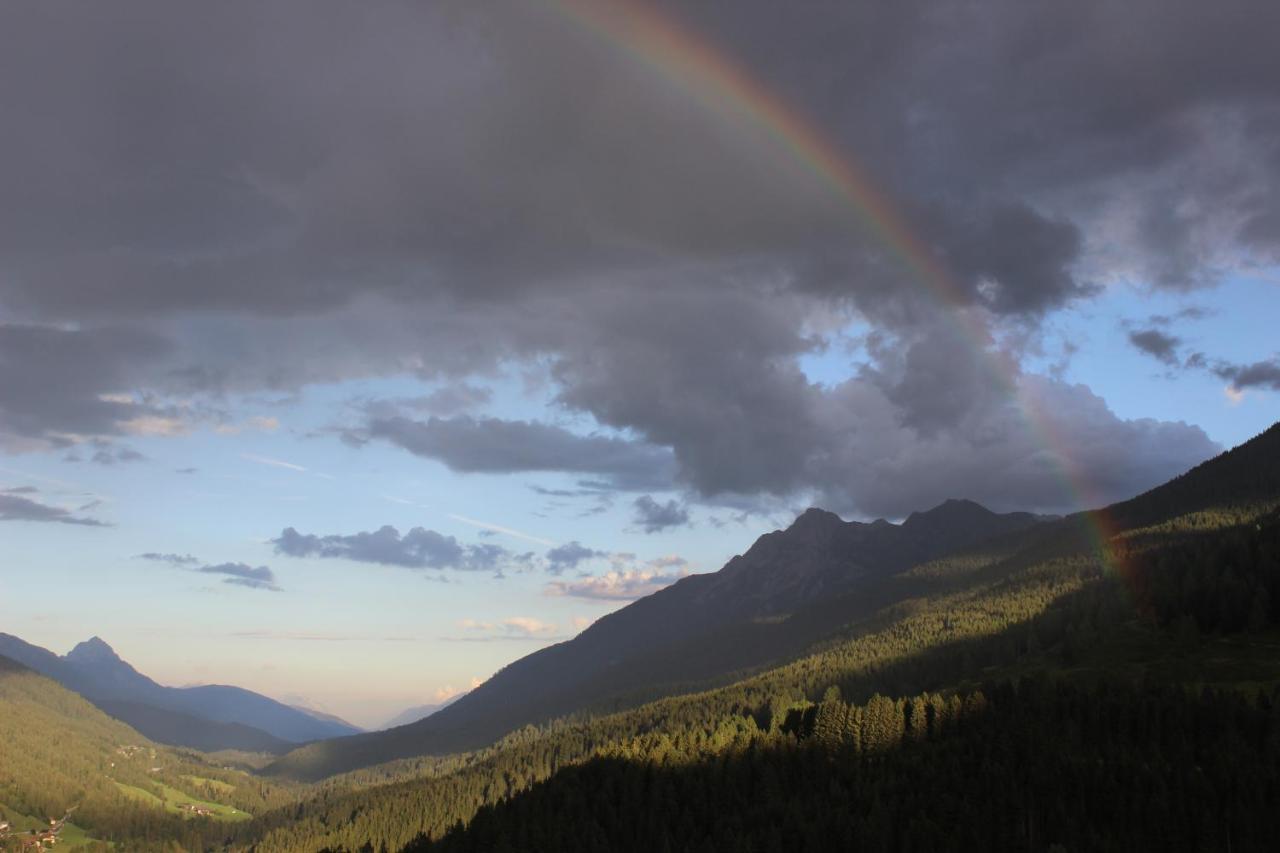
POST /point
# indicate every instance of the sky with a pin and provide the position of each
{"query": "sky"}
(350, 351)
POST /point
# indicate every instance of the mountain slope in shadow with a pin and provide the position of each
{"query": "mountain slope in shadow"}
(691, 631)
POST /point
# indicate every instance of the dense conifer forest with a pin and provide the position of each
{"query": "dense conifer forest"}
(1036, 765)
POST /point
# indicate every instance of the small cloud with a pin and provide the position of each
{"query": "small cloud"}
(185, 470)
(1260, 374)
(242, 574)
(654, 517)
(1157, 344)
(419, 548)
(624, 585)
(1194, 312)
(14, 507)
(445, 693)
(108, 455)
(171, 559)
(258, 422)
(528, 626)
(511, 628)
(1234, 395)
(156, 425)
(569, 555)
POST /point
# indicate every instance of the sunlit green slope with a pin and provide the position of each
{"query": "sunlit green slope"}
(59, 753)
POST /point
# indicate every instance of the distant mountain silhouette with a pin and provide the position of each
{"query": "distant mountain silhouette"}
(692, 630)
(323, 715)
(171, 714)
(178, 729)
(416, 713)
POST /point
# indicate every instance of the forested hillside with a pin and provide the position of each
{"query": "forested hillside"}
(1036, 766)
(58, 753)
(789, 590)
(1191, 599)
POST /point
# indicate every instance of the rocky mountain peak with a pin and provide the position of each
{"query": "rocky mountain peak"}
(92, 651)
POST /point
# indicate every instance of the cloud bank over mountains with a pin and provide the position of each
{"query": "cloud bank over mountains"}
(266, 196)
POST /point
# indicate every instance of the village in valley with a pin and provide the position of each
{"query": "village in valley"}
(33, 839)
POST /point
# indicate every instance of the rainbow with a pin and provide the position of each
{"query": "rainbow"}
(699, 69)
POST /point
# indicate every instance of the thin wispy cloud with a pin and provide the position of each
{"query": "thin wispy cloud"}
(498, 528)
(274, 463)
(526, 628)
(171, 559)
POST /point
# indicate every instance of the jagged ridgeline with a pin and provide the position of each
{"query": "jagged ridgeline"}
(1017, 688)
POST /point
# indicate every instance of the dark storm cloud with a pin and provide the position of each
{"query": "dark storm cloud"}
(712, 377)
(14, 507)
(58, 381)
(1157, 344)
(419, 548)
(293, 193)
(297, 157)
(655, 517)
(241, 574)
(1013, 259)
(491, 445)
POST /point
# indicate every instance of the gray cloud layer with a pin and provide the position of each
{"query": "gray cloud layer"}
(348, 191)
(490, 445)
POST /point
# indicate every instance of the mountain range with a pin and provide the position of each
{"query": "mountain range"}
(793, 588)
(785, 592)
(836, 677)
(207, 717)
